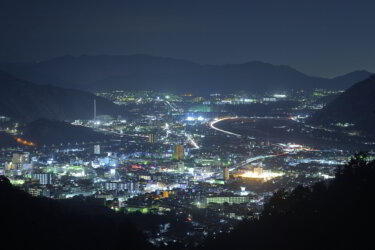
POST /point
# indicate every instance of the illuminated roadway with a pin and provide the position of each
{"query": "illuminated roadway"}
(212, 125)
(174, 108)
(192, 141)
(260, 157)
(244, 163)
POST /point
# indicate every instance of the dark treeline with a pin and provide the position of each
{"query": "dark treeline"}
(336, 214)
(328, 215)
(41, 223)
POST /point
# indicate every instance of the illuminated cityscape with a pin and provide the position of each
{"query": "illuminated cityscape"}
(187, 125)
(179, 155)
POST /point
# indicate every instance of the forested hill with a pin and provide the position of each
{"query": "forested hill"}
(41, 223)
(338, 214)
(355, 107)
(28, 101)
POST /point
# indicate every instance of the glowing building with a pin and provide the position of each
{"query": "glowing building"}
(226, 174)
(97, 149)
(151, 138)
(227, 199)
(165, 194)
(181, 166)
(43, 178)
(19, 159)
(178, 152)
(258, 171)
(260, 174)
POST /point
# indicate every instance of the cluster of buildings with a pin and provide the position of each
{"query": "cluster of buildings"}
(166, 159)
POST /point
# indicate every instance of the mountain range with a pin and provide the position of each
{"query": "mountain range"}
(355, 107)
(28, 101)
(144, 72)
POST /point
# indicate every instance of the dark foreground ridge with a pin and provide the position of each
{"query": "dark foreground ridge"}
(42, 223)
(335, 214)
(338, 214)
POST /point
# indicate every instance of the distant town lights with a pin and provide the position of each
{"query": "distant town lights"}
(191, 118)
(279, 96)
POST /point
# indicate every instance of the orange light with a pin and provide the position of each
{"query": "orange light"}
(24, 142)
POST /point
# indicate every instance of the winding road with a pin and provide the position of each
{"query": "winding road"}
(212, 125)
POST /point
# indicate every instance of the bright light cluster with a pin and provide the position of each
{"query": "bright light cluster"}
(191, 118)
(291, 147)
(266, 175)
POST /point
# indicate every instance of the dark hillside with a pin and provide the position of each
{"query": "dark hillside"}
(338, 214)
(28, 101)
(356, 106)
(46, 132)
(40, 223)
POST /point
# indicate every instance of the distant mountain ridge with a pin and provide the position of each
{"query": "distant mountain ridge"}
(27, 101)
(355, 106)
(144, 72)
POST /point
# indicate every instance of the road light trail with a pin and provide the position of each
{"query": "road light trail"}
(192, 141)
(221, 130)
(170, 105)
(260, 157)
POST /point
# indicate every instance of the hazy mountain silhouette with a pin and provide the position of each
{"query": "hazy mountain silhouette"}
(142, 72)
(28, 101)
(347, 80)
(356, 105)
(46, 132)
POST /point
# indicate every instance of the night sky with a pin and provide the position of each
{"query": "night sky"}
(318, 37)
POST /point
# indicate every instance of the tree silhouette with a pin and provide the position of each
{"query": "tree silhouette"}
(331, 214)
(334, 214)
(63, 224)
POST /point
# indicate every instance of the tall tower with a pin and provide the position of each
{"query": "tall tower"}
(178, 152)
(226, 174)
(94, 109)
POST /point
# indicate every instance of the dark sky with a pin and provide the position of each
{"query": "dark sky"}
(319, 37)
